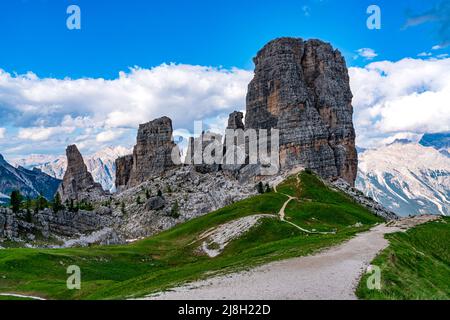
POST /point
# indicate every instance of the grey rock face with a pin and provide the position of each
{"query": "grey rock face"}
(207, 144)
(123, 171)
(363, 200)
(46, 223)
(235, 120)
(153, 150)
(78, 183)
(155, 203)
(302, 89)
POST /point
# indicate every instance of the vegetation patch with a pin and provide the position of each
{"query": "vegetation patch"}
(416, 265)
(169, 258)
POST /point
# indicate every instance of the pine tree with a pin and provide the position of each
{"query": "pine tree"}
(159, 193)
(57, 204)
(147, 194)
(16, 201)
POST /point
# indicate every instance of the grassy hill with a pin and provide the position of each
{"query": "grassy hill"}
(415, 265)
(172, 257)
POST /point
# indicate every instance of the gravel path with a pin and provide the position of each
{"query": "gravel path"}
(331, 274)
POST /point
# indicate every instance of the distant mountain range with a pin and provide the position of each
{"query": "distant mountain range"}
(101, 165)
(408, 178)
(31, 183)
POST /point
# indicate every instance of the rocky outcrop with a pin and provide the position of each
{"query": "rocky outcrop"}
(302, 89)
(152, 152)
(78, 184)
(123, 171)
(363, 200)
(235, 121)
(46, 224)
(205, 152)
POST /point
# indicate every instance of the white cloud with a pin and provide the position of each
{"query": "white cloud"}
(109, 135)
(410, 95)
(437, 47)
(2, 133)
(42, 134)
(391, 99)
(425, 54)
(91, 112)
(367, 53)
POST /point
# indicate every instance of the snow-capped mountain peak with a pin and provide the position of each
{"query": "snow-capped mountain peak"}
(407, 178)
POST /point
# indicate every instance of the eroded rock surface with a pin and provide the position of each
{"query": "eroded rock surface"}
(153, 150)
(78, 184)
(302, 88)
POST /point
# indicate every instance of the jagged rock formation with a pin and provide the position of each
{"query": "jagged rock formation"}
(123, 171)
(20, 227)
(194, 194)
(78, 184)
(152, 154)
(101, 165)
(302, 89)
(235, 121)
(205, 145)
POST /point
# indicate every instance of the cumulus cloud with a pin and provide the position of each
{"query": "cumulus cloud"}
(392, 100)
(367, 53)
(42, 133)
(100, 110)
(410, 96)
(2, 132)
(109, 135)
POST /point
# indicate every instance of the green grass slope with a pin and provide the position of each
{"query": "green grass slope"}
(415, 266)
(172, 257)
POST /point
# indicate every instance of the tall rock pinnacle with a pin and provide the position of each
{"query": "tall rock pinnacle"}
(152, 152)
(78, 183)
(302, 88)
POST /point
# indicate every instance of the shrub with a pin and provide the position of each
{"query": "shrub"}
(175, 210)
(260, 187)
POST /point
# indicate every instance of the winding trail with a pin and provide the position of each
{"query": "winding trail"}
(330, 274)
(282, 213)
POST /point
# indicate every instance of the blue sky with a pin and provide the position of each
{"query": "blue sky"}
(136, 60)
(116, 35)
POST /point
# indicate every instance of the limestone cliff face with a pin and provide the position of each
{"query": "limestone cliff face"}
(302, 88)
(152, 152)
(123, 171)
(78, 183)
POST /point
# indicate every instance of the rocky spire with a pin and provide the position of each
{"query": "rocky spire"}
(302, 88)
(235, 120)
(152, 152)
(78, 183)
